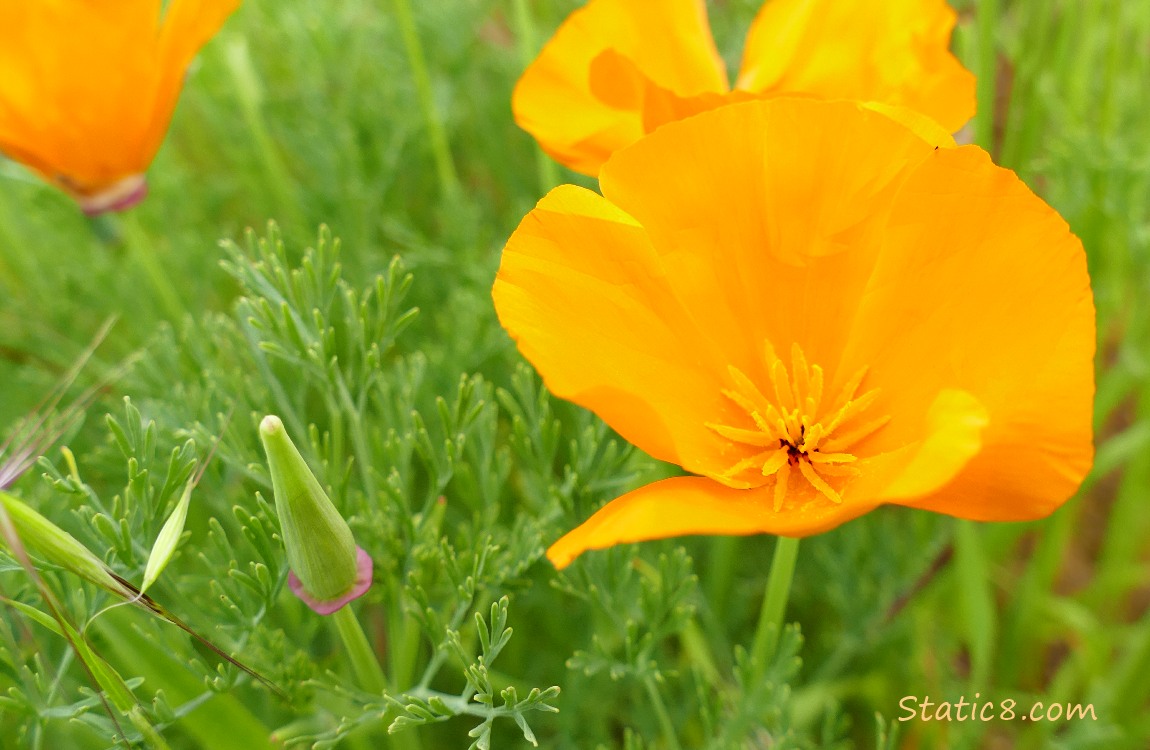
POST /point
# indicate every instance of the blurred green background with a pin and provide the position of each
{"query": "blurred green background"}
(312, 114)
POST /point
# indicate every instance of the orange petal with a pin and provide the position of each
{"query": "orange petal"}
(187, 26)
(668, 41)
(68, 68)
(693, 505)
(954, 425)
(924, 127)
(893, 51)
(981, 287)
(88, 88)
(618, 81)
(768, 216)
(581, 291)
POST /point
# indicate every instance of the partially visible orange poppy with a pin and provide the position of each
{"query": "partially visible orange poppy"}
(815, 310)
(617, 69)
(87, 88)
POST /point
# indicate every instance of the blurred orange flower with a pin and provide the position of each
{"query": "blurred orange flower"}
(617, 69)
(816, 310)
(87, 88)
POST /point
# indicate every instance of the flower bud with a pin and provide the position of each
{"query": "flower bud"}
(327, 569)
(58, 547)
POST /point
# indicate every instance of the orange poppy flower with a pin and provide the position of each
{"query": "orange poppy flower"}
(617, 69)
(815, 310)
(87, 88)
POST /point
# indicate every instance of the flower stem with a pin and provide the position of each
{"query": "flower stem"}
(143, 252)
(250, 96)
(664, 718)
(363, 659)
(145, 728)
(774, 602)
(441, 152)
(545, 169)
(404, 650)
(721, 570)
(986, 70)
(21, 268)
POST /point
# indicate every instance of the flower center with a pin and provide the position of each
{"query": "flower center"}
(794, 429)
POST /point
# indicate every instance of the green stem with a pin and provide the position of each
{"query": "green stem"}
(444, 165)
(404, 651)
(721, 571)
(9, 278)
(404, 637)
(363, 659)
(143, 253)
(440, 654)
(774, 602)
(661, 713)
(987, 18)
(358, 436)
(545, 169)
(21, 270)
(153, 738)
(220, 721)
(249, 95)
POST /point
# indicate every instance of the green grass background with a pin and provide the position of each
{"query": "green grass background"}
(311, 113)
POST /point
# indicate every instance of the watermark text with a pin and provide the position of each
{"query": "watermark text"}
(1007, 709)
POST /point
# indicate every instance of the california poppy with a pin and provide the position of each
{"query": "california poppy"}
(814, 310)
(87, 88)
(617, 69)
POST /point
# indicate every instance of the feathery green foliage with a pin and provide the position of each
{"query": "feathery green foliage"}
(453, 466)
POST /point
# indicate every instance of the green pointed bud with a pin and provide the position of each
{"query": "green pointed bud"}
(327, 569)
(58, 547)
(168, 538)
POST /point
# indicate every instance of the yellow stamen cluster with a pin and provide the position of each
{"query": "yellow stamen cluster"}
(794, 429)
